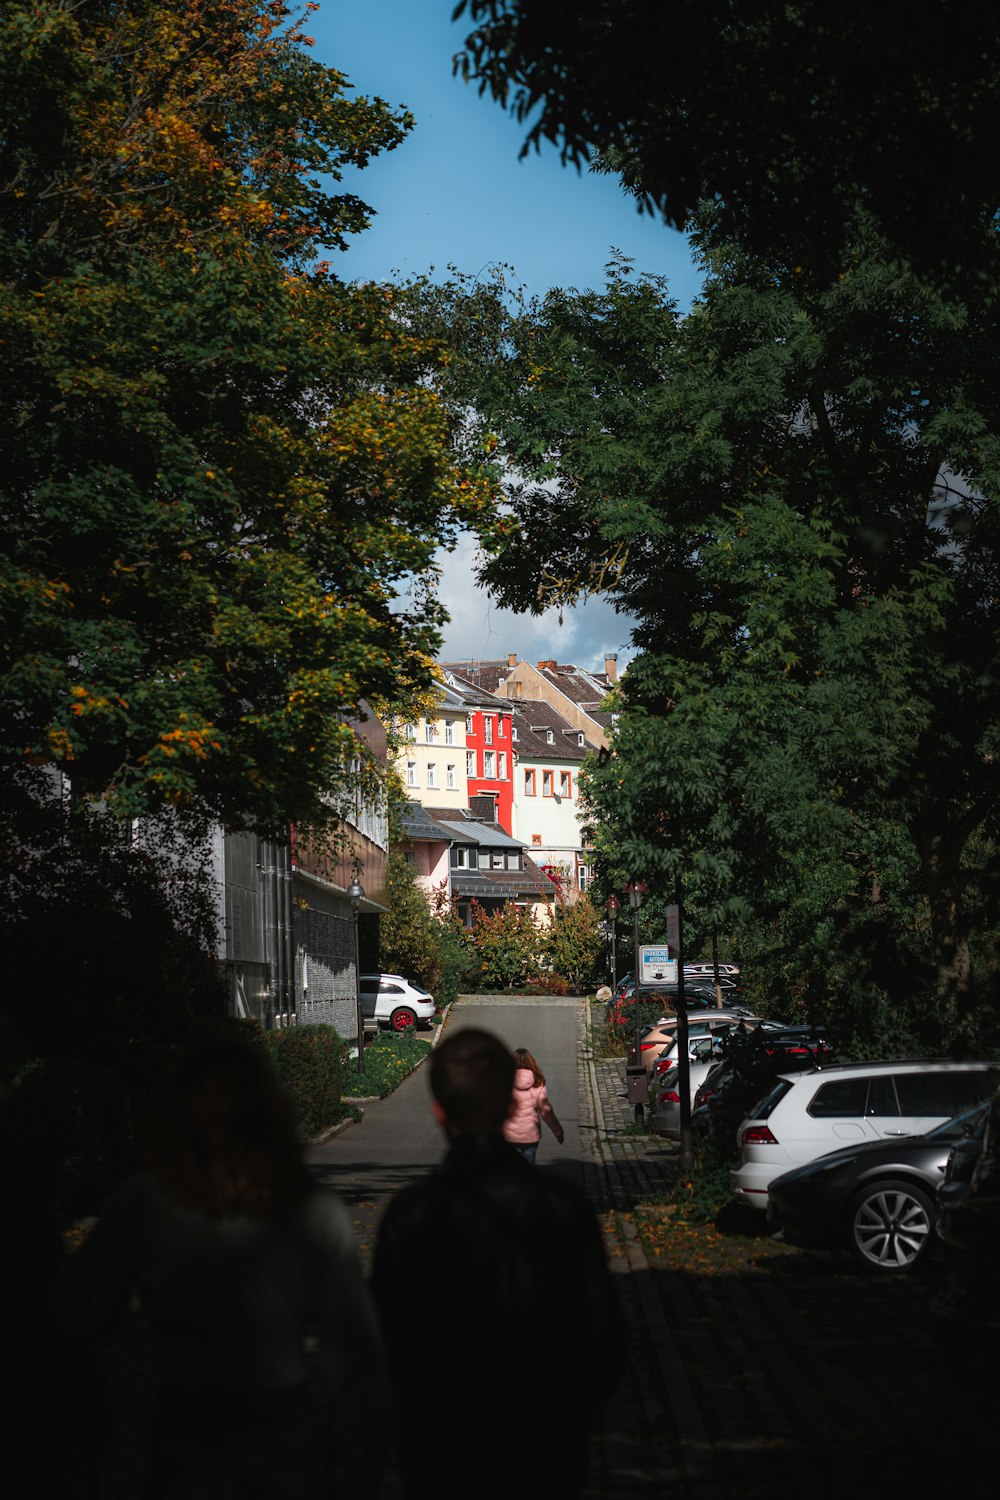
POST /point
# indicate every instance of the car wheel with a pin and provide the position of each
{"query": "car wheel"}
(891, 1225)
(402, 1017)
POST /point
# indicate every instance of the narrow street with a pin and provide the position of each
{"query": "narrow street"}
(795, 1374)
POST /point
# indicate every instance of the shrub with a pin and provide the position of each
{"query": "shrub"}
(388, 1059)
(309, 1063)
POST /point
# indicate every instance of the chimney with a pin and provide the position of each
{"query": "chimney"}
(512, 659)
(542, 665)
(611, 666)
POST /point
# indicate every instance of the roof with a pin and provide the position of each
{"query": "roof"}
(472, 690)
(532, 719)
(419, 827)
(585, 689)
(484, 676)
(502, 884)
(485, 834)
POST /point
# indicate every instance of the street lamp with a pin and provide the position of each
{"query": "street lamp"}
(611, 906)
(356, 894)
(638, 1090)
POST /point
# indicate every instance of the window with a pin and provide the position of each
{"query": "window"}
(844, 1097)
(536, 841)
(546, 783)
(411, 731)
(489, 763)
(449, 732)
(579, 739)
(549, 737)
(430, 731)
(497, 860)
(450, 777)
(502, 766)
(460, 857)
(581, 876)
(513, 731)
(432, 773)
(565, 784)
(484, 859)
(488, 728)
(514, 859)
(500, 726)
(411, 773)
(529, 783)
(470, 762)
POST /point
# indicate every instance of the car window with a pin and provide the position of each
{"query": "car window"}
(766, 1105)
(390, 989)
(882, 1101)
(840, 1098)
(368, 986)
(938, 1093)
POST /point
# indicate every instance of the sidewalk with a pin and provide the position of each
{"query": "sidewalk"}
(799, 1374)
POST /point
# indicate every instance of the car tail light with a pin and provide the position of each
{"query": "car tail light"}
(759, 1135)
(645, 1046)
(669, 1096)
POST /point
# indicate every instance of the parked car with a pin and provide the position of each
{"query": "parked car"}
(709, 969)
(807, 1114)
(661, 1035)
(875, 1200)
(969, 1226)
(394, 1001)
(666, 1119)
(621, 1009)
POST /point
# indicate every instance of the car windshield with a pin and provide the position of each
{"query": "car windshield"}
(960, 1125)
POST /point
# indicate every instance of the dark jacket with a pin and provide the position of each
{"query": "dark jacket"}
(513, 1262)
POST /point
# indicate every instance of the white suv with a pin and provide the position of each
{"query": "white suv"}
(394, 1001)
(805, 1115)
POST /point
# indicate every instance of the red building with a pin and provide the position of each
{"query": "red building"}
(489, 750)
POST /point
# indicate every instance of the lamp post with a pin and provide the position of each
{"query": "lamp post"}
(356, 893)
(638, 1086)
(611, 906)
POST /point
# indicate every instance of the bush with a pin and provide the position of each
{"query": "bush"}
(388, 1060)
(309, 1062)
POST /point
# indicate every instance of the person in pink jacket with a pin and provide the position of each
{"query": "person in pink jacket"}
(529, 1106)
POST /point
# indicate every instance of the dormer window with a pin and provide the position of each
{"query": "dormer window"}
(579, 739)
(549, 737)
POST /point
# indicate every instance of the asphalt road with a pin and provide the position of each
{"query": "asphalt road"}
(398, 1139)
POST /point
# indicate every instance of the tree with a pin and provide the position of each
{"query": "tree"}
(792, 493)
(221, 463)
(572, 944)
(783, 116)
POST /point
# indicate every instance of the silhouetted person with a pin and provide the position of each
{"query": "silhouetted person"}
(266, 1338)
(521, 1333)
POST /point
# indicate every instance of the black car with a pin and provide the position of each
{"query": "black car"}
(661, 997)
(875, 1200)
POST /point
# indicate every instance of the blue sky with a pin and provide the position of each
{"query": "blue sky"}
(456, 193)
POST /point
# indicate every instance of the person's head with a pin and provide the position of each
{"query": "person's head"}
(222, 1137)
(472, 1078)
(524, 1059)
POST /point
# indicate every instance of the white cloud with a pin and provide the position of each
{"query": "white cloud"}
(481, 628)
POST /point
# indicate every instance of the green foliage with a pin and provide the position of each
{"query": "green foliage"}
(221, 463)
(506, 948)
(310, 1062)
(415, 941)
(793, 494)
(786, 115)
(388, 1059)
(572, 945)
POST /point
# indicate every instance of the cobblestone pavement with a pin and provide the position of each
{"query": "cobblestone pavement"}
(803, 1376)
